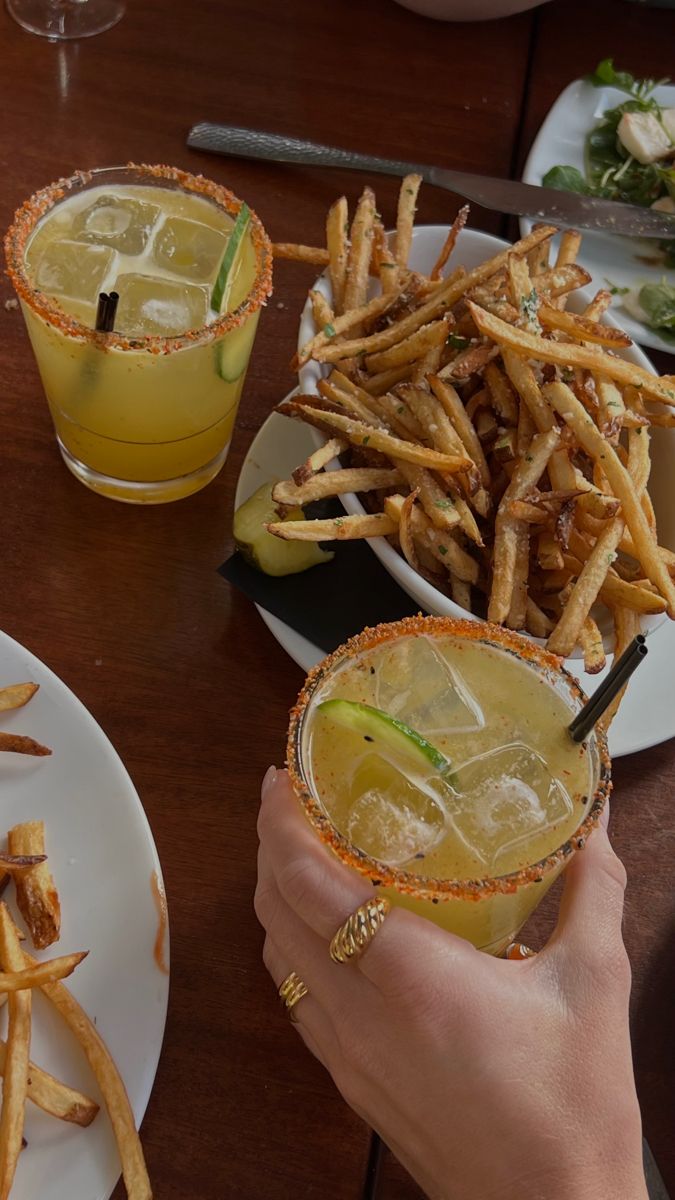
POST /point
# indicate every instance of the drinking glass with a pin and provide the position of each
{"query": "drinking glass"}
(487, 911)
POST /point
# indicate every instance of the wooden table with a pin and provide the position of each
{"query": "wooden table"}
(125, 604)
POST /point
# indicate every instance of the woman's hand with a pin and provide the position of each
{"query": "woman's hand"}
(487, 1078)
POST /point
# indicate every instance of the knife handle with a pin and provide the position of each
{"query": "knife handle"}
(251, 143)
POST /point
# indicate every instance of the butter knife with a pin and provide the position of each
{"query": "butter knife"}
(501, 195)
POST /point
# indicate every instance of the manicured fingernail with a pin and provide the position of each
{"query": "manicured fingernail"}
(604, 816)
(270, 776)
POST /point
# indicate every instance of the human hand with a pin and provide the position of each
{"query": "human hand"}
(489, 1079)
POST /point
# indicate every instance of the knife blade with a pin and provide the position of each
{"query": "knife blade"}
(656, 1188)
(502, 195)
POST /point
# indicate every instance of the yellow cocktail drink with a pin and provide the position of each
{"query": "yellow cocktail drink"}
(144, 413)
(433, 755)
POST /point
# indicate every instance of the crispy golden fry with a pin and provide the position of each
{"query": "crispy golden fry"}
(586, 590)
(385, 263)
(581, 328)
(428, 365)
(538, 256)
(526, 475)
(568, 250)
(335, 483)
(457, 413)
(379, 385)
(110, 1083)
(468, 362)
(318, 460)
(461, 592)
(560, 280)
(54, 1097)
(16, 695)
(521, 568)
(15, 1082)
(440, 508)
(590, 640)
(536, 621)
(19, 744)
(336, 241)
(532, 514)
(520, 285)
(358, 259)
(18, 864)
(443, 547)
(549, 552)
(322, 313)
(599, 305)
(342, 324)
(364, 435)
(627, 625)
(297, 253)
(611, 407)
(398, 417)
(36, 894)
(411, 348)
(598, 505)
(43, 972)
(350, 401)
(339, 529)
(588, 435)
(502, 394)
(449, 245)
(568, 355)
(405, 218)
(405, 534)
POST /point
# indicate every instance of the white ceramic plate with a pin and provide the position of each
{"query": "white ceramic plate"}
(473, 248)
(102, 856)
(608, 258)
(647, 715)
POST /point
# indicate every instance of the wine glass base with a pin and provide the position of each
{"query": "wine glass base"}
(61, 20)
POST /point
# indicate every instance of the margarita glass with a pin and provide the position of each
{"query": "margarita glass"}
(144, 414)
(473, 847)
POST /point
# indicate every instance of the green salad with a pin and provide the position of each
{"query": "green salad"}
(629, 155)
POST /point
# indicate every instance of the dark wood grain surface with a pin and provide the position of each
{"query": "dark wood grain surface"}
(125, 604)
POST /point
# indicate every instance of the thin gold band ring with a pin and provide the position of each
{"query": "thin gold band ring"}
(290, 991)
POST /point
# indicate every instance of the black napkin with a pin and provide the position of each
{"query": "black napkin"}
(330, 602)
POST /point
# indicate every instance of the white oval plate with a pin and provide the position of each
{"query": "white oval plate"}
(647, 714)
(610, 259)
(473, 248)
(102, 856)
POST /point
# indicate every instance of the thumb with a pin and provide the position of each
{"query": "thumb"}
(591, 911)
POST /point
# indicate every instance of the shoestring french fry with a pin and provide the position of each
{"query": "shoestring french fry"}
(36, 895)
(515, 436)
(16, 695)
(15, 1080)
(315, 255)
(54, 1097)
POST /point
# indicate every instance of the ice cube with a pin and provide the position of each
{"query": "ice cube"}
(150, 305)
(71, 269)
(189, 248)
(506, 797)
(389, 818)
(117, 221)
(417, 684)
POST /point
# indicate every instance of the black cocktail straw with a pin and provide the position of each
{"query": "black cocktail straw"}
(621, 671)
(105, 313)
(103, 301)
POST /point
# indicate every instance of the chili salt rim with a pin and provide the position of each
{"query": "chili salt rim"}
(41, 202)
(407, 882)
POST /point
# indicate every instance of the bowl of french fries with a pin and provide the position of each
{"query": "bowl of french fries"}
(487, 426)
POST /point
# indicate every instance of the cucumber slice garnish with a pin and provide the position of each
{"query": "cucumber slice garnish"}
(261, 549)
(221, 287)
(389, 736)
(234, 350)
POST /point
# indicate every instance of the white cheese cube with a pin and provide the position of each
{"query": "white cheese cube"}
(643, 136)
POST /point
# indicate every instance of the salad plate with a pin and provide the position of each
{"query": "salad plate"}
(624, 265)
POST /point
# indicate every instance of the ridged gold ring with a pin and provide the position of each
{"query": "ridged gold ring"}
(290, 991)
(518, 951)
(358, 931)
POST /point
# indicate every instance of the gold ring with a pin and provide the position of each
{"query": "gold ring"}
(358, 931)
(290, 991)
(518, 951)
